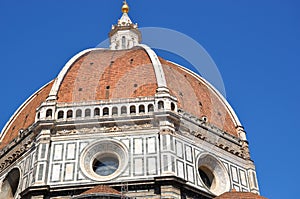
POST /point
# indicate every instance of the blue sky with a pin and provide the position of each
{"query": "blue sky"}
(255, 45)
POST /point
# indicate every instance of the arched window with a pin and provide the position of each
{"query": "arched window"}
(114, 111)
(141, 109)
(160, 105)
(60, 115)
(78, 113)
(172, 106)
(132, 109)
(150, 108)
(69, 114)
(49, 113)
(124, 110)
(96, 112)
(123, 42)
(87, 112)
(105, 111)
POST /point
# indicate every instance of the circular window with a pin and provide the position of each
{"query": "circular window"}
(105, 164)
(206, 176)
(104, 160)
(10, 184)
(213, 174)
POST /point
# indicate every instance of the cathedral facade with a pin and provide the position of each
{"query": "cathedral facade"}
(125, 123)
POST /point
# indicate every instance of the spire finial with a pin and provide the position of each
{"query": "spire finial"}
(125, 7)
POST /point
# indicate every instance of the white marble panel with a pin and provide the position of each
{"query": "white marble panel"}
(138, 145)
(58, 150)
(188, 152)
(179, 150)
(151, 145)
(138, 166)
(235, 177)
(190, 173)
(56, 169)
(71, 151)
(69, 171)
(243, 178)
(180, 169)
(152, 166)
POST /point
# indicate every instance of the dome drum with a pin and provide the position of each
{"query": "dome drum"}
(97, 109)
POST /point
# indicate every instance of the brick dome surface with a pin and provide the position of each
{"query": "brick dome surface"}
(102, 74)
(24, 117)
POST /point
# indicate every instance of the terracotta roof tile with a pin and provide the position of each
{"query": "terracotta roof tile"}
(239, 195)
(101, 189)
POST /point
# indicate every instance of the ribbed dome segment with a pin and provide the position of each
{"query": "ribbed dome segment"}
(122, 74)
(106, 74)
(24, 116)
(197, 97)
(101, 74)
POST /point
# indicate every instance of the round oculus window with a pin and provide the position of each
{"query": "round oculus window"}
(213, 174)
(9, 186)
(104, 160)
(206, 176)
(105, 164)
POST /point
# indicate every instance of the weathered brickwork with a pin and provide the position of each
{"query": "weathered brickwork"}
(116, 74)
(26, 116)
(197, 98)
(129, 74)
(106, 74)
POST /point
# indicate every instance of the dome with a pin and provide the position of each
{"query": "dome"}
(124, 122)
(109, 75)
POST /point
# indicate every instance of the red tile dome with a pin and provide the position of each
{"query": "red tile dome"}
(103, 75)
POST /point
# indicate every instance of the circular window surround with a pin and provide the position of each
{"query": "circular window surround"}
(103, 148)
(215, 171)
(11, 183)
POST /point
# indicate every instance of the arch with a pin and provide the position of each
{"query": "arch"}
(114, 111)
(49, 113)
(105, 111)
(132, 109)
(173, 107)
(123, 42)
(78, 113)
(123, 110)
(69, 114)
(150, 108)
(160, 105)
(87, 112)
(60, 115)
(97, 112)
(141, 108)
